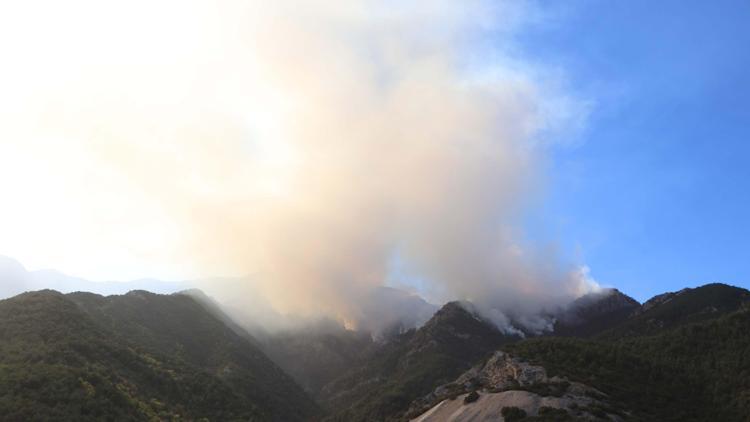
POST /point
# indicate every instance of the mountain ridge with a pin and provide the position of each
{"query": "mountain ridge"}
(111, 357)
(142, 355)
(411, 365)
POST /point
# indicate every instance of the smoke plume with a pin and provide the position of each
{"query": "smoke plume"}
(309, 145)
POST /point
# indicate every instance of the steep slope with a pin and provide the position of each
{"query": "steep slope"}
(389, 311)
(671, 310)
(595, 312)
(213, 308)
(134, 357)
(316, 354)
(694, 372)
(178, 326)
(50, 364)
(411, 365)
(681, 356)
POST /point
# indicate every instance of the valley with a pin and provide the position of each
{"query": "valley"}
(684, 356)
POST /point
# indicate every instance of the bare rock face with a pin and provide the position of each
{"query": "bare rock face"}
(489, 407)
(502, 372)
(505, 381)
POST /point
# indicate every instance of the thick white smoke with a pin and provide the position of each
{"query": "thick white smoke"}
(308, 142)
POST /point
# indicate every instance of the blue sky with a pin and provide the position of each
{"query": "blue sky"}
(655, 195)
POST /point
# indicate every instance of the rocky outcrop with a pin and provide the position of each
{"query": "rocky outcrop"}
(500, 372)
(505, 381)
(489, 407)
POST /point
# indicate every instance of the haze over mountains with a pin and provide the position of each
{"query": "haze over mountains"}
(383, 309)
(17, 279)
(145, 356)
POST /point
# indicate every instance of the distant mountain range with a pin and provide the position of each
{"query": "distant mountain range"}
(16, 279)
(681, 356)
(384, 311)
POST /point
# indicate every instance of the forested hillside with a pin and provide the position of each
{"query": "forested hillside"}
(682, 356)
(683, 359)
(411, 365)
(138, 356)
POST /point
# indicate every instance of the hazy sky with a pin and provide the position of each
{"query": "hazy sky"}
(154, 139)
